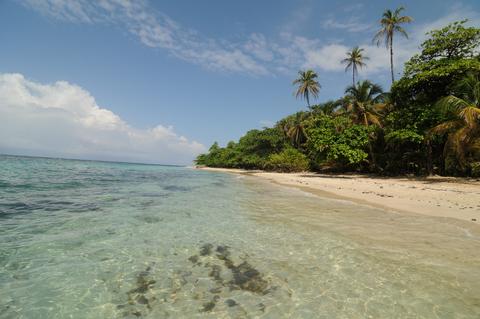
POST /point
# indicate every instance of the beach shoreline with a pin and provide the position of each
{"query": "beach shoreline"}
(437, 196)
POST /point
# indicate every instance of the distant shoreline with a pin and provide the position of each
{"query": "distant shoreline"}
(433, 196)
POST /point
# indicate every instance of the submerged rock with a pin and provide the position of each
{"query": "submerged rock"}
(222, 252)
(206, 250)
(261, 307)
(142, 300)
(245, 276)
(216, 290)
(230, 302)
(248, 278)
(223, 275)
(176, 188)
(215, 273)
(137, 298)
(194, 259)
(143, 284)
(208, 306)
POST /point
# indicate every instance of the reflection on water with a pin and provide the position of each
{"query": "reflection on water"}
(130, 241)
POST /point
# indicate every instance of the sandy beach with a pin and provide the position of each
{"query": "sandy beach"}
(434, 196)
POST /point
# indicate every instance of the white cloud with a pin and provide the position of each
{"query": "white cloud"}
(62, 119)
(153, 29)
(259, 47)
(255, 55)
(351, 25)
(328, 56)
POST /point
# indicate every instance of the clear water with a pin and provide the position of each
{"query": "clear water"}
(85, 239)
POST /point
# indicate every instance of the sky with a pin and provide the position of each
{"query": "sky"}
(160, 81)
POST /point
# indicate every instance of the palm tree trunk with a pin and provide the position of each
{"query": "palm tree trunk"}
(370, 147)
(353, 77)
(429, 159)
(391, 58)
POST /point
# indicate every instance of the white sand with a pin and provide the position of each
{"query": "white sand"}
(435, 196)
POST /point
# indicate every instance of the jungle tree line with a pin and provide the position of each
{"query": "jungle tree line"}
(428, 123)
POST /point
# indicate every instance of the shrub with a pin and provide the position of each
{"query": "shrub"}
(475, 168)
(337, 139)
(288, 160)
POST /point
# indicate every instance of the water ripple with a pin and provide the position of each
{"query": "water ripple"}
(84, 239)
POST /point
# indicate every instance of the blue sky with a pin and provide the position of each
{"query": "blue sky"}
(198, 71)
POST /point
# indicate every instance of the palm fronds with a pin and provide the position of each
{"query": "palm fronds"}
(307, 85)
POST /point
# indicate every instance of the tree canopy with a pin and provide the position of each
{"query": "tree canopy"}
(429, 122)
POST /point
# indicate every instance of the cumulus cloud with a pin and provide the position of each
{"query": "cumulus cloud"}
(63, 120)
(328, 56)
(257, 54)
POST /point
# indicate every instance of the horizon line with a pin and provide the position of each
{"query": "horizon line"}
(91, 160)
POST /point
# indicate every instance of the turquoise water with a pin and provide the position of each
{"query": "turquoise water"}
(84, 239)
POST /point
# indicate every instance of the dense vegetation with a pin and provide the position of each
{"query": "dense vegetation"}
(428, 123)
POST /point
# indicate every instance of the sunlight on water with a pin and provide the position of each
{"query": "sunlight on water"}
(108, 240)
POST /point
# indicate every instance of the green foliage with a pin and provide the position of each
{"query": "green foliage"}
(402, 136)
(327, 108)
(463, 127)
(289, 160)
(404, 152)
(220, 157)
(475, 169)
(364, 103)
(429, 122)
(262, 142)
(307, 85)
(455, 41)
(447, 56)
(337, 139)
(294, 129)
(251, 151)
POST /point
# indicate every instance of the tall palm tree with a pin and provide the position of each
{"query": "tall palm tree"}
(390, 24)
(307, 85)
(354, 59)
(364, 104)
(463, 128)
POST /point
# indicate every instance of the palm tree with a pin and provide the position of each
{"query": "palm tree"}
(307, 84)
(354, 60)
(294, 128)
(364, 104)
(390, 22)
(463, 128)
(327, 108)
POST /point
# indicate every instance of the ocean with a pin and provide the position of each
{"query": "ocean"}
(87, 239)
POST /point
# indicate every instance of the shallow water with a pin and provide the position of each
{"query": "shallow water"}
(81, 239)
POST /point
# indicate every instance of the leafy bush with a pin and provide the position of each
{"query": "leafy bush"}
(337, 139)
(289, 160)
(251, 151)
(403, 136)
(475, 169)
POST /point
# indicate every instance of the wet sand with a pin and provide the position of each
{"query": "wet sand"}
(433, 196)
